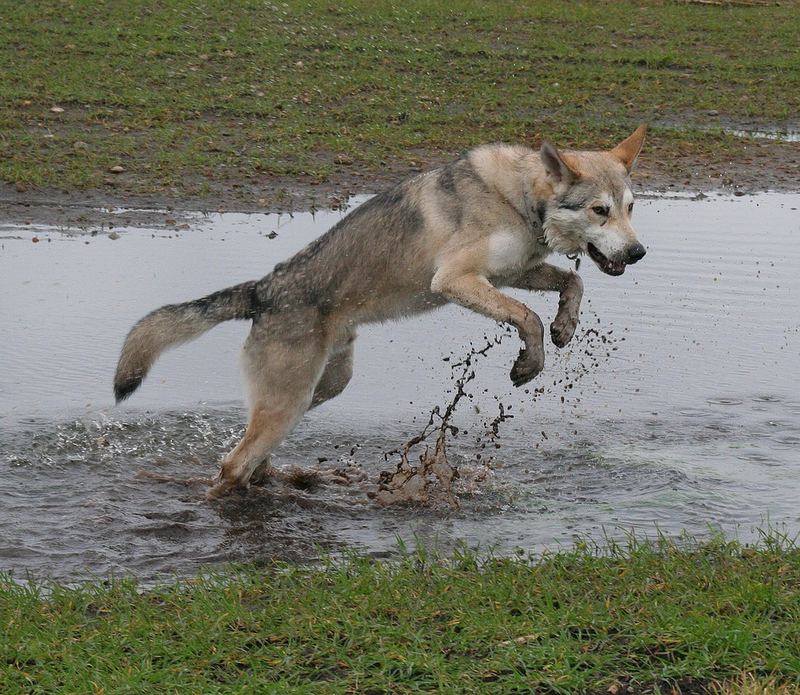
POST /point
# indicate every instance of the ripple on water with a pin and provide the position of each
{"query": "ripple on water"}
(128, 504)
(758, 457)
(725, 401)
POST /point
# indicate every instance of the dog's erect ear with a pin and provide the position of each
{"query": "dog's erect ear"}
(560, 166)
(628, 150)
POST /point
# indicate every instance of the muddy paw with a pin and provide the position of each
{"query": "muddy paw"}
(563, 328)
(221, 488)
(262, 475)
(527, 366)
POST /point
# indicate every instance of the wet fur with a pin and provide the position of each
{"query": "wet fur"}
(454, 234)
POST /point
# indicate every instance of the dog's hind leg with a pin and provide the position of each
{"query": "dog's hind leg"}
(335, 377)
(337, 374)
(283, 364)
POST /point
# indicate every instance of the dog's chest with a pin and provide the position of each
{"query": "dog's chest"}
(509, 250)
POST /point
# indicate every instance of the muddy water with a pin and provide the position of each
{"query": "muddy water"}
(677, 407)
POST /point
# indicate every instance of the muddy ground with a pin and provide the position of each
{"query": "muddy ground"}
(764, 166)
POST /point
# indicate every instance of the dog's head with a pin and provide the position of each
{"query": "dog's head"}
(592, 203)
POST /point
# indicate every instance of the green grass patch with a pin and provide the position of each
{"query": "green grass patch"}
(186, 94)
(573, 622)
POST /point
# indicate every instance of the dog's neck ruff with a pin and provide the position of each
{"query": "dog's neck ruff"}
(537, 225)
(535, 216)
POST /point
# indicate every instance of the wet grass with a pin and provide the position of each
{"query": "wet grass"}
(649, 617)
(194, 98)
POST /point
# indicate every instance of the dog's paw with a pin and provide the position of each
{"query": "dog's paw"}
(528, 365)
(263, 474)
(220, 488)
(563, 328)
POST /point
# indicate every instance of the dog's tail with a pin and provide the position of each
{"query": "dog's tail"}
(174, 324)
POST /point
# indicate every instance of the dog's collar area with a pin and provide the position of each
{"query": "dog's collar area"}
(577, 258)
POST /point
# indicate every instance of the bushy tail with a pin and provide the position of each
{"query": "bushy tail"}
(174, 324)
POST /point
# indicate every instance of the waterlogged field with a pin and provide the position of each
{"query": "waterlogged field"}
(239, 101)
(675, 408)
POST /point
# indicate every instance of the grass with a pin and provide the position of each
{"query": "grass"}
(646, 618)
(194, 97)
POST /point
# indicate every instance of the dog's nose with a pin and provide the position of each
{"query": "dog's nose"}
(636, 253)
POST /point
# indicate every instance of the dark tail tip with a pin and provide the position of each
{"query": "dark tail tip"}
(123, 389)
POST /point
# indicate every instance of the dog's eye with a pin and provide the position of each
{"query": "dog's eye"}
(630, 208)
(601, 210)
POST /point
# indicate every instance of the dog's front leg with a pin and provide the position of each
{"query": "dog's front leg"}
(570, 288)
(475, 292)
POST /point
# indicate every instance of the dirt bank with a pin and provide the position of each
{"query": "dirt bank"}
(766, 165)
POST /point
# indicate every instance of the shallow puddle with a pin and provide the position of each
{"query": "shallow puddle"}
(780, 135)
(677, 406)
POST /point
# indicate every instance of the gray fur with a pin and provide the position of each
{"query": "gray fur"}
(174, 324)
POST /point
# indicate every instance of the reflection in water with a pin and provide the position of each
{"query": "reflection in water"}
(676, 405)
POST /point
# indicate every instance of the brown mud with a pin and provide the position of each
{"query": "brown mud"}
(433, 481)
(767, 165)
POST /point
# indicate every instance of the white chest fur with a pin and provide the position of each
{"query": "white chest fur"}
(509, 250)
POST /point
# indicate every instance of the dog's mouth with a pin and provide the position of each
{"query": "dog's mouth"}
(606, 265)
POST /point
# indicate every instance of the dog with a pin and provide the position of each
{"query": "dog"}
(453, 234)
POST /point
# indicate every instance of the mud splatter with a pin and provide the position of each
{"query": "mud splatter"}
(311, 478)
(431, 482)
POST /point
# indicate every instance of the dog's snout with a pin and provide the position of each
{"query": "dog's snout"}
(635, 253)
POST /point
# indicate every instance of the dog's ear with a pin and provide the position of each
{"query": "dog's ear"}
(628, 150)
(561, 167)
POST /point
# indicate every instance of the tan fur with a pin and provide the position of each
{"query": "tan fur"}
(455, 234)
(628, 150)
